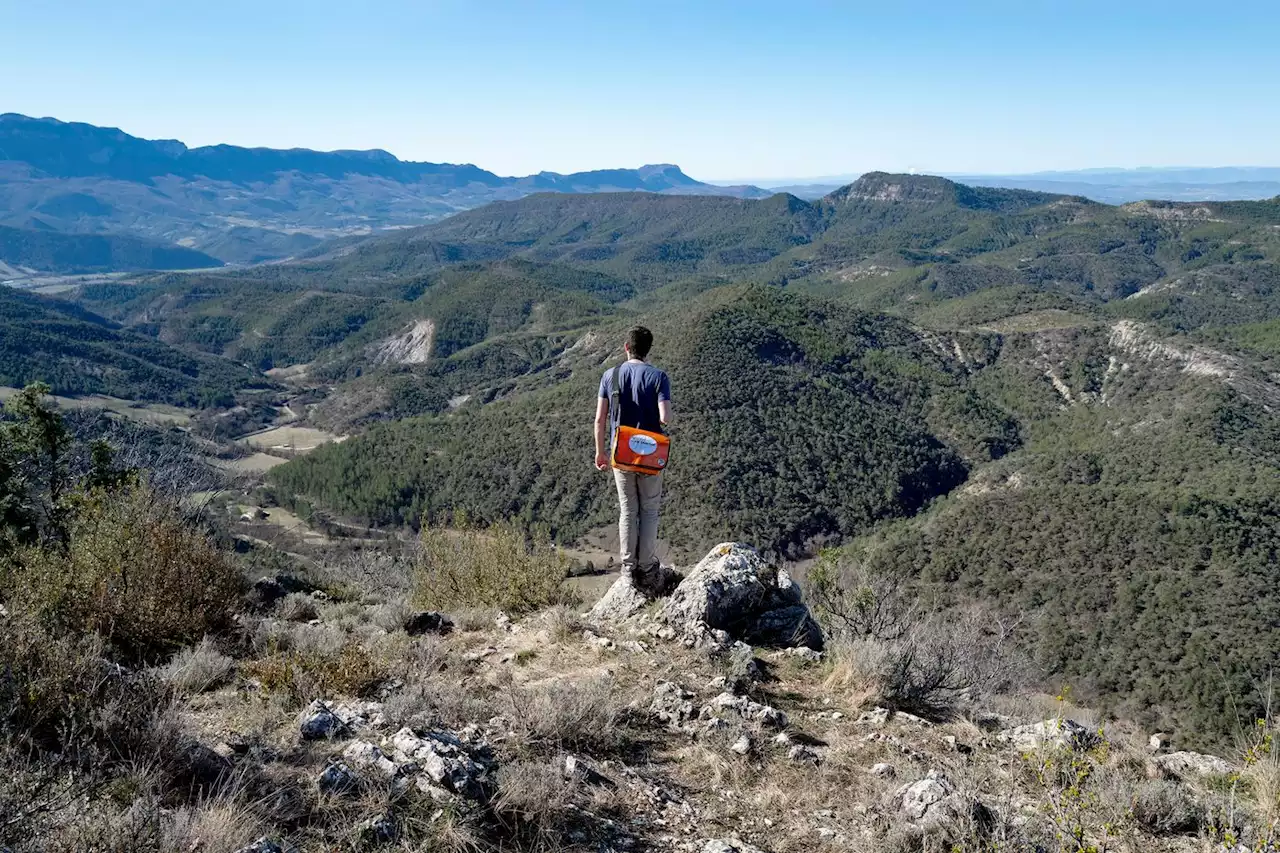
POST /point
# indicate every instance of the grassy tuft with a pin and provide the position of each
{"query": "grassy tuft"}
(471, 568)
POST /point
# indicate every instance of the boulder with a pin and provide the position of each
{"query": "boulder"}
(734, 589)
(264, 593)
(743, 668)
(319, 722)
(201, 766)
(428, 622)
(621, 601)
(368, 757)
(934, 801)
(1193, 764)
(918, 801)
(1058, 732)
(790, 626)
(630, 594)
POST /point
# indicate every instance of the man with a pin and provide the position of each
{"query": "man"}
(645, 403)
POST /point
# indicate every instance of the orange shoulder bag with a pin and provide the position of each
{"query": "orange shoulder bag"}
(635, 450)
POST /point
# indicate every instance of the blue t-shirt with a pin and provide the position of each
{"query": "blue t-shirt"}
(642, 386)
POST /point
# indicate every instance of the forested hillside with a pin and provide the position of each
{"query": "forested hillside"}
(76, 352)
(50, 251)
(800, 421)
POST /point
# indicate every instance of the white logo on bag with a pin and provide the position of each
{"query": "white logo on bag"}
(642, 445)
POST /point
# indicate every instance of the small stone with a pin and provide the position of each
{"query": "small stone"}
(503, 622)
(337, 780)
(826, 832)
(742, 745)
(262, 845)
(319, 722)
(876, 717)
(671, 704)
(382, 829)
(747, 709)
(729, 845)
(428, 622)
(804, 653)
(802, 754)
(591, 638)
(716, 724)
(577, 769)
(883, 770)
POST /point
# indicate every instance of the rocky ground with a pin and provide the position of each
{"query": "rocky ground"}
(710, 720)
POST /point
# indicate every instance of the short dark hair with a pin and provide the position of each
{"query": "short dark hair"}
(639, 342)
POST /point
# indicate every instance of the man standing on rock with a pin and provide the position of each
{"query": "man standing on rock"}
(644, 403)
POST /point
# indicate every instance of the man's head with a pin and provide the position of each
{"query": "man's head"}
(639, 342)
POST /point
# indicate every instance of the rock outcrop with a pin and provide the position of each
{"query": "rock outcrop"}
(1059, 733)
(1193, 764)
(733, 589)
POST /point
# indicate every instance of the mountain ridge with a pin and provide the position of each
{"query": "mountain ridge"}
(248, 205)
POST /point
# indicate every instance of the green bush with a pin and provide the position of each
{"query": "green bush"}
(132, 570)
(496, 567)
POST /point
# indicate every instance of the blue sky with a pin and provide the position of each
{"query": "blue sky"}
(726, 90)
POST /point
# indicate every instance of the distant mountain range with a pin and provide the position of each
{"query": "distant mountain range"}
(245, 205)
(1112, 186)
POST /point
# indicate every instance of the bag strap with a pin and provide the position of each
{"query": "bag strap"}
(615, 398)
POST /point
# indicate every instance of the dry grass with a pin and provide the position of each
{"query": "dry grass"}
(591, 716)
(305, 676)
(298, 607)
(494, 568)
(198, 668)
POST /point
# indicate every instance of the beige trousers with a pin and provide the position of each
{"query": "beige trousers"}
(639, 499)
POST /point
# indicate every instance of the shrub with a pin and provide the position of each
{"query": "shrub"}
(855, 601)
(535, 803)
(1162, 807)
(473, 568)
(133, 571)
(58, 695)
(590, 716)
(298, 607)
(198, 668)
(934, 663)
(308, 675)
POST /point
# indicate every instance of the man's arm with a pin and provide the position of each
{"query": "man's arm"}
(601, 429)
